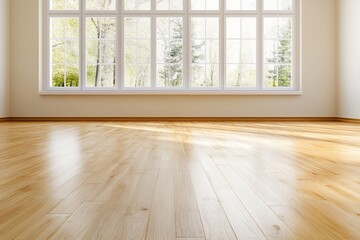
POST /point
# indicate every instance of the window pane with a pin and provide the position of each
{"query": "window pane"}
(137, 51)
(237, 5)
(278, 5)
(100, 51)
(137, 5)
(205, 52)
(100, 5)
(278, 51)
(241, 52)
(171, 5)
(199, 5)
(60, 5)
(64, 52)
(169, 39)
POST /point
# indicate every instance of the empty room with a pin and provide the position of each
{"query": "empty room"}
(179, 119)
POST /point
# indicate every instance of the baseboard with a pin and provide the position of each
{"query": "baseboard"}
(349, 120)
(6, 119)
(172, 119)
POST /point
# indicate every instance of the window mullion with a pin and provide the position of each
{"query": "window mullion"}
(82, 44)
(120, 64)
(222, 65)
(260, 46)
(153, 45)
(186, 46)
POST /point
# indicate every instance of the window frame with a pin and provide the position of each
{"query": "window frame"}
(186, 13)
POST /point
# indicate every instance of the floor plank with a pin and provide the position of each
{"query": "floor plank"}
(179, 180)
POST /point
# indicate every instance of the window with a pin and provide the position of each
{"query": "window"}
(169, 46)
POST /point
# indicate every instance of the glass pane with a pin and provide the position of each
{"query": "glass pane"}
(169, 52)
(64, 52)
(212, 75)
(270, 51)
(108, 48)
(271, 28)
(198, 51)
(143, 75)
(137, 75)
(237, 5)
(100, 5)
(248, 51)
(233, 75)
(278, 51)
(285, 5)
(241, 51)
(212, 28)
(233, 51)
(200, 5)
(198, 75)
(72, 52)
(248, 5)
(137, 51)
(172, 5)
(271, 79)
(58, 75)
(101, 27)
(284, 76)
(100, 51)
(198, 28)
(72, 76)
(205, 49)
(232, 5)
(248, 75)
(270, 4)
(57, 27)
(278, 5)
(233, 27)
(61, 5)
(72, 28)
(137, 5)
(107, 73)
(249, 28)
(57, 51)
(212, 51)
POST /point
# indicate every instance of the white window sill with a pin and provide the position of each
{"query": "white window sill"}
(169, 93)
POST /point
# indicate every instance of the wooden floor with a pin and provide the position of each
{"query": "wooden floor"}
(180, 180)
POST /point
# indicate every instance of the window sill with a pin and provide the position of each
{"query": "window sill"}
(171, 93)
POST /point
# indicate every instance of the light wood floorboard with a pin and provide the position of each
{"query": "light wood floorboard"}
(183, 180)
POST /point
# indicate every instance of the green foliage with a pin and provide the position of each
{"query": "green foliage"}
(281, 77)
(72, 78)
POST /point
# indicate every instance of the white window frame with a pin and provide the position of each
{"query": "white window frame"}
(186, 14)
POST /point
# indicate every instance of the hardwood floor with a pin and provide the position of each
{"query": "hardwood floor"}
(180, 180)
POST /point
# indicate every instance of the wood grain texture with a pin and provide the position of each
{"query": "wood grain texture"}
(162, 180)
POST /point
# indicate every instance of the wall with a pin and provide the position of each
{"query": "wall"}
(319, 79)
(348, 59)
(4, 58)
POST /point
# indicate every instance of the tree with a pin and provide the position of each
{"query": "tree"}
(173, 55)
(102, 29)
(197, 55)
(282, 76)
(65, 73)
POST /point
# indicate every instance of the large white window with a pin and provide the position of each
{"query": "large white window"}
(171, 46)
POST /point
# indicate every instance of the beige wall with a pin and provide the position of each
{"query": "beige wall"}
(4, 59)
(349, 58)
(319, 79)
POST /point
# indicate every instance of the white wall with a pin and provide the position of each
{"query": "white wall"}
(349, 58)
(319, 79)
(4, 58)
